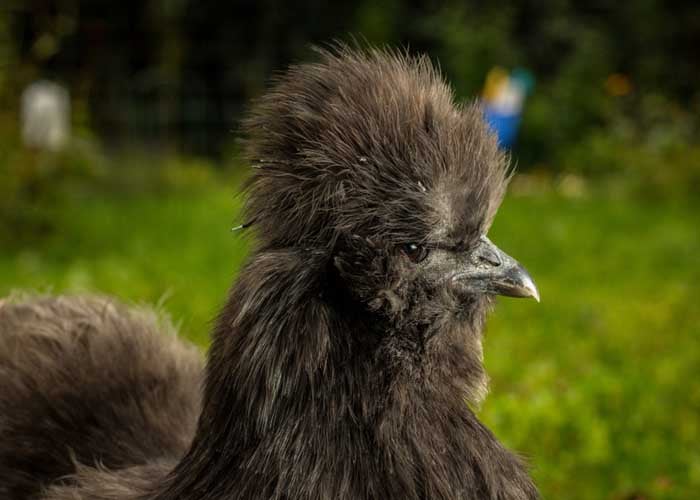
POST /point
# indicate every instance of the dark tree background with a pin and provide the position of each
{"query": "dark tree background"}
(177, 73)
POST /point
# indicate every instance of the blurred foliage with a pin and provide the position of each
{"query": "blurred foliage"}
(616, 98)
(651, 150)
(34, 183)
(163, 72)
(619, 74)
(597, 385)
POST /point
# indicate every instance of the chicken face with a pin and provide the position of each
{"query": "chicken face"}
(451, 266)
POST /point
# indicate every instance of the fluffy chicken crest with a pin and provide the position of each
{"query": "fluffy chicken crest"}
(373, 144)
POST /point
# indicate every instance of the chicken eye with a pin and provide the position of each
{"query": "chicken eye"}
(416, 253)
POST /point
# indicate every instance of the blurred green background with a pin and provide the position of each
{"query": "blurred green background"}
(599, 385)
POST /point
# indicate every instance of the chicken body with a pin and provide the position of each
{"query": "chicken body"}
(86, 380)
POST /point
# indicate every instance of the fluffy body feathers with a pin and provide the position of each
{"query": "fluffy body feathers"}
(85, 380)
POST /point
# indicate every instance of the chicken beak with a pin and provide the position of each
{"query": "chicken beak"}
(489, 270)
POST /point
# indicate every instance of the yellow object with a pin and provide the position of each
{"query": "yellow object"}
(496, 81)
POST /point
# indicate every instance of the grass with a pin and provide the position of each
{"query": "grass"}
(175, 248)
(598, 385)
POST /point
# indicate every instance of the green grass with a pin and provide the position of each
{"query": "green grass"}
(598, 385)
(175, 248)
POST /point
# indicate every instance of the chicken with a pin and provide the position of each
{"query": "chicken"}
(347, 359)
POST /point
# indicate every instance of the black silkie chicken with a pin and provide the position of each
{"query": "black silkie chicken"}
(344, 361)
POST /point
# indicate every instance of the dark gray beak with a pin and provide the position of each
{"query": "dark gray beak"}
(487, 269)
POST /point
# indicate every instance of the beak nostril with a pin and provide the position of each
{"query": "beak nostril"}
(490, 262)
(487, 253)
(491, 258)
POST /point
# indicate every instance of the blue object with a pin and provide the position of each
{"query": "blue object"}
(504, 125)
